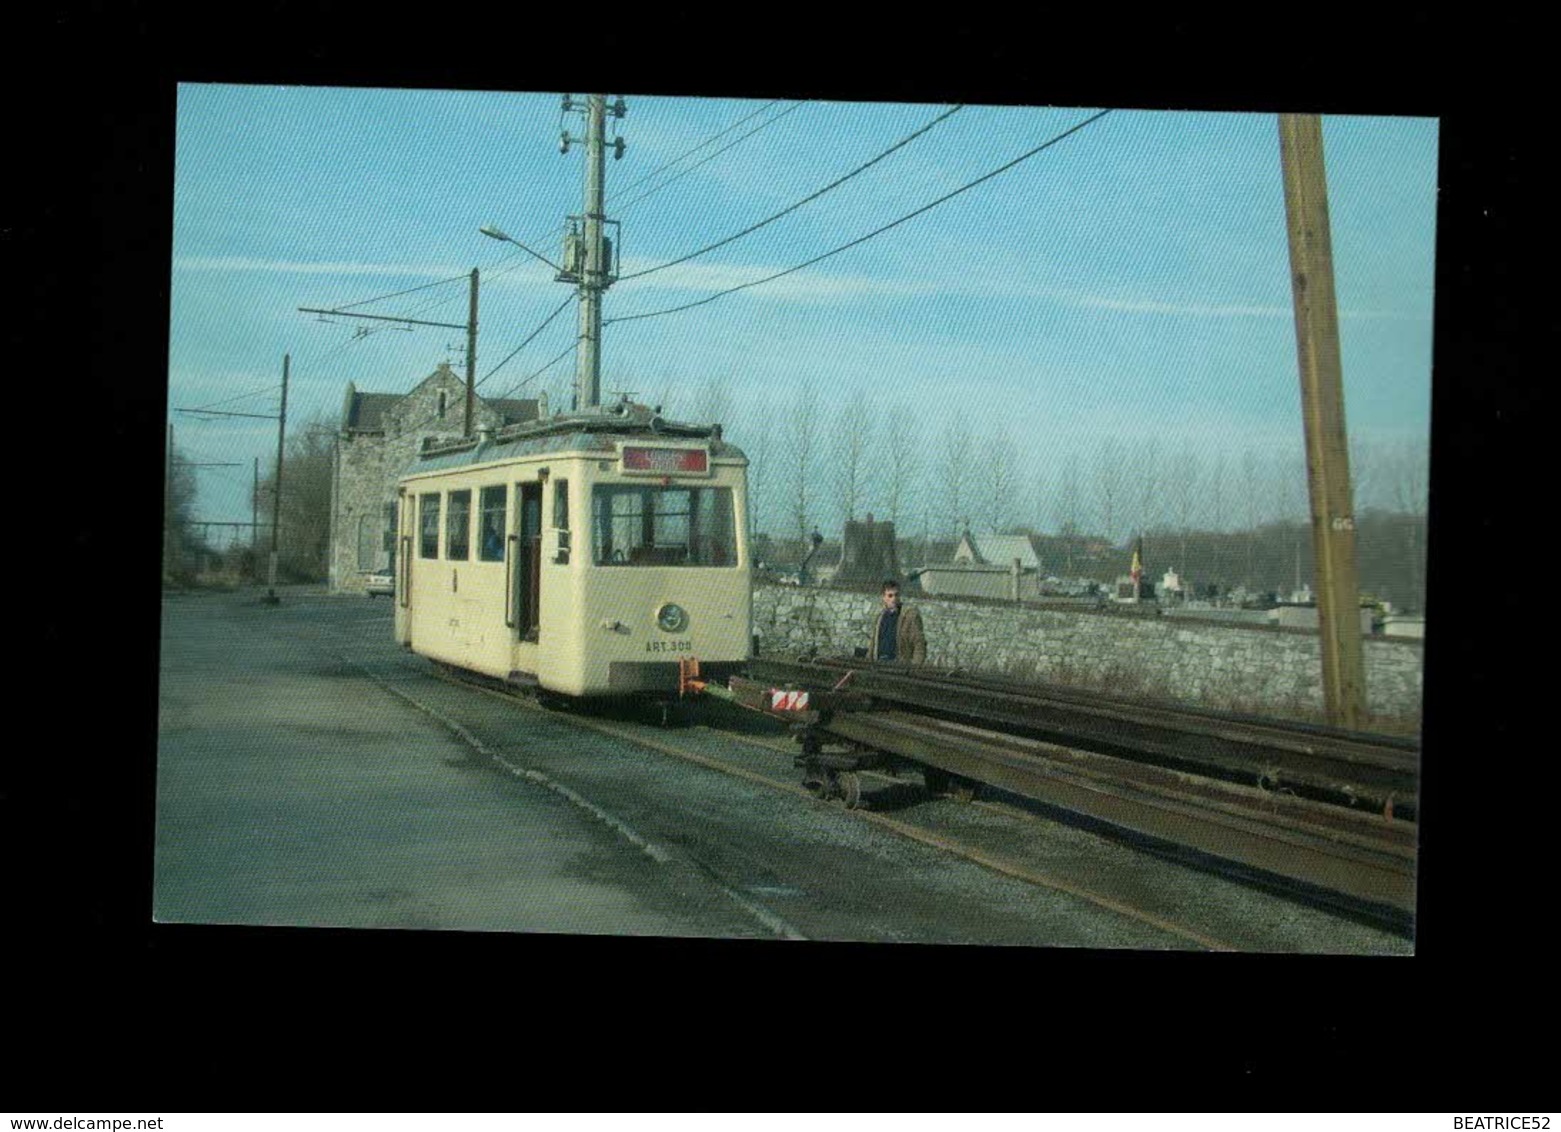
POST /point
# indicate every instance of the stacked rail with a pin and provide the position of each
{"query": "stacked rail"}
(1325, 810)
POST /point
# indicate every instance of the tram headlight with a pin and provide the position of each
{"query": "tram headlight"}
(672, 618)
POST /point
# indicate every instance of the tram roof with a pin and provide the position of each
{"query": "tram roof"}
(600, 432)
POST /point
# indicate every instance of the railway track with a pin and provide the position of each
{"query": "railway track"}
(1284, 804)
(1197, 814)
(1308, 760)
(787, 784)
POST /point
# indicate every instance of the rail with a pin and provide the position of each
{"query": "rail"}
(1327, 764)
(1259, 795)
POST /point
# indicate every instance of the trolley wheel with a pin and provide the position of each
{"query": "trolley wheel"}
(963, 789)
(936, 781)
(816, 782)
(850, 786)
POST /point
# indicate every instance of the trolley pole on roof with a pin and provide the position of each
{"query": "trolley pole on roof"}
(1322, 406)
(276, 502)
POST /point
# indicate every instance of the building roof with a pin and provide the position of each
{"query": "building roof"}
(1000, 550)
(366, 412)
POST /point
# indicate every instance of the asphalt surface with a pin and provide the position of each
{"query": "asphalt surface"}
(311, 772)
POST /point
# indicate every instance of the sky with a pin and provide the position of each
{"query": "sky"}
(1120, 299)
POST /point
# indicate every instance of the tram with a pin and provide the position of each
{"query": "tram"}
(585, 555)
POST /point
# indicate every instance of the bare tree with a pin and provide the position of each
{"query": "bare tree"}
(1002, 481)
(1409, 472)
(303, 540)
(1288, 494)
(1108, 485)
(179, 541)
(714, 402)
(1250, 491)
(1365, 466)
(1067, 509)
(1038, 501)
(903, 453)
(753, 426)
(1217, 512)
(1185, 485)
(803, 452)
(1148, 485)
(852, 454)
(957, 475)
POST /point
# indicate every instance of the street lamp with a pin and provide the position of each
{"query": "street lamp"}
(494, 232)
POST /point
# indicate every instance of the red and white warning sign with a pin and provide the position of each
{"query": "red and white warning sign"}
(788, 701)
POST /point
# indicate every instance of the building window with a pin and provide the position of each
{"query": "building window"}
(491, 544)
(429, 512)
(441, 404)
(458, 527)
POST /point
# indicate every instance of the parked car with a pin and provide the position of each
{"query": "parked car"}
(382, 583)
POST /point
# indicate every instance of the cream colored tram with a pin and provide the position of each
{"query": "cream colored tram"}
(585, 555)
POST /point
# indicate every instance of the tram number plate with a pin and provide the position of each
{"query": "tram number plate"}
(669, 646)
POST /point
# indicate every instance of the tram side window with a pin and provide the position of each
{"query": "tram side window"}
(458, 528)
(493, 502)
(561, 518)
(638, 525)
(428, 543)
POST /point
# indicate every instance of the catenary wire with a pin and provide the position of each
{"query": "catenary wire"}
(863, 239)
(622, 208)
(792, 208)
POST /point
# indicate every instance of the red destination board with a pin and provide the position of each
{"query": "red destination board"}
(665, 461)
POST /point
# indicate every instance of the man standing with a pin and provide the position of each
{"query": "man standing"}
(897, 633)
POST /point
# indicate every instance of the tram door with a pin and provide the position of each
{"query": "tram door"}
(526, 552)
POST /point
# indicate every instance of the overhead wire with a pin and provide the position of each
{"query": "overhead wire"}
(396, 294)
(805, 200)
(235, 397)
(863, 239)
(622, 208)
(688, 152)
(557, 228)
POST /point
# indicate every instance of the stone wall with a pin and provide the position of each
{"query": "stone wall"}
(1237, 667)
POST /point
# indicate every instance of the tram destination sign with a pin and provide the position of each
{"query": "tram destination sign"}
(643, 460)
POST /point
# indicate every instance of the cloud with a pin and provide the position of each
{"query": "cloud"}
(300, 267)
(804, 286)
(1199, 310)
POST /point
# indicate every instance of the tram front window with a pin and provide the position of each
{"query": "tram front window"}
(635, 525)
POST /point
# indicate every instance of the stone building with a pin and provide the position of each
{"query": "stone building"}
(994, 566)
(380, 437)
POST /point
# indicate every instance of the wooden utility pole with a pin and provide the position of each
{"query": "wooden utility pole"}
(276, 502)
(1322, 407)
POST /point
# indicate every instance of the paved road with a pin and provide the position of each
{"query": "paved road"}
(310, 772)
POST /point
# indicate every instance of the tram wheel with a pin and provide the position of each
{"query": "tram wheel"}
(815, 783)
(963, 789)
(935, 780)
(850, 788)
